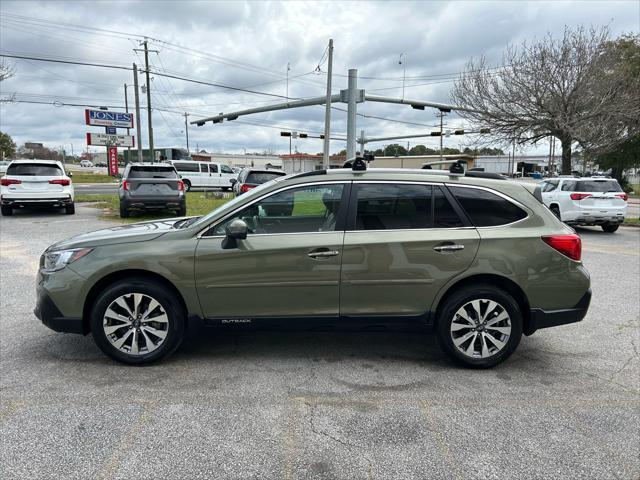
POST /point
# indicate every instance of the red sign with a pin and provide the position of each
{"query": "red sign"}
(112, 160)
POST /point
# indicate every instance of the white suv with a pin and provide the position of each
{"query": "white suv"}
(586, 201)
(36, 183)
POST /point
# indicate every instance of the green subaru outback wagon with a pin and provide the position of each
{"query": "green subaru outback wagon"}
(480, 261)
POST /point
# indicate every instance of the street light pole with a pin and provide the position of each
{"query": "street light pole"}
(186, 129)
(403, 62)
(327, 111)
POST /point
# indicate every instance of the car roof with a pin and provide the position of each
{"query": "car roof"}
(266, 170)
(149, 164)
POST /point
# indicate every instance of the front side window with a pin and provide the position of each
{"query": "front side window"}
(486, 209)
(297, 210)
(225, 169)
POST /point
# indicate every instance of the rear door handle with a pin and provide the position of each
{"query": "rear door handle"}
(448, 248)
(323, 253)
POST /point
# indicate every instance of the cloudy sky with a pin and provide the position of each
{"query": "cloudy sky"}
(249, 45)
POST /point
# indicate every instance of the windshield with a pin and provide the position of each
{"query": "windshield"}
(34, 169)
(152, 172)
(229, 206)
(598, 186)
(262, 177)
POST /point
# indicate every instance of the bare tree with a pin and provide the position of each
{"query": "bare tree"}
(6, 70)
(556, 87)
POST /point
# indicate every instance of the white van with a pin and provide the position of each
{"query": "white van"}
(204, 174)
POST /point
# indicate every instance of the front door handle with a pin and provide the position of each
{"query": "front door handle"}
(448, 248)
(324, 253)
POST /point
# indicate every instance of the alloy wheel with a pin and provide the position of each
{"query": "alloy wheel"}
(135, 324)
(480, 328)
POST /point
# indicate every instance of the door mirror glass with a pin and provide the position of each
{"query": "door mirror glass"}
(235, 230)
(233, 181)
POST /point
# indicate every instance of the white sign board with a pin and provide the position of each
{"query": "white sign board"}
(110, 140)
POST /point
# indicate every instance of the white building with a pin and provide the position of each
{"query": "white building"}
(239, 160)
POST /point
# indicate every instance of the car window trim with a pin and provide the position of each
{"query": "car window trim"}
(353, 205)
(523, 207)
(340, 219)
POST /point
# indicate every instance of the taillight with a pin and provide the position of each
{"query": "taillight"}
(579, 196)
(62, 181)
(623, 196)
(125, 185)
(244, 188)
(180, 186)
(5, 182)
(568, 245)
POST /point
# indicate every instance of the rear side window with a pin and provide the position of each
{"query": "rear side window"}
(486, 209)
(152, 172)
(598, 186)
(391, 207)
(187, 167)
(212, 168)
(34, 169)
(261, 177)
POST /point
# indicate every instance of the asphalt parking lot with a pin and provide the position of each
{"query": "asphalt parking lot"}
(288, 405)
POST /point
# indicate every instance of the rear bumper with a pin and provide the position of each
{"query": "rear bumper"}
(540, 318)
(153, 203)
(35, 202)
(596, 220)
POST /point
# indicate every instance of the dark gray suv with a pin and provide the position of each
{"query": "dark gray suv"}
(151, 186)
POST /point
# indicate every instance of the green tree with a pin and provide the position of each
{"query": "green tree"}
(421, 150)
(624, 157)
(7, 146)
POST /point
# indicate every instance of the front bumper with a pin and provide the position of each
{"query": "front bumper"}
(51, 316)
(540, 318)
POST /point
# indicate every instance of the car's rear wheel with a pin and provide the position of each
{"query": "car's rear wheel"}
(70, 209)
(187, 185)
(6, 210)
(137, 321)
(610, 228)
(556, 211)
(479, 326)
(124, 213)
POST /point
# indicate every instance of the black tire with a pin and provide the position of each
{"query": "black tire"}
(462, 297)
(124, 213)
(168, 301)
(187, 185)
(609, 228)
(556, 211)
(70, 209)
(7, 210)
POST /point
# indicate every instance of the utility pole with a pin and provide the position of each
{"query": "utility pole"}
(126, 109)
(352, 106)
(150, 125)
(327, 111)
(186, 129)
(137, 100)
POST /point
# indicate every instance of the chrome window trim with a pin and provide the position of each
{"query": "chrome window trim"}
(288, 187)
(523, 207)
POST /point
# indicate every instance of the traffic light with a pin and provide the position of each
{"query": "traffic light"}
(302, 135)
(485, 130)
(322, 136)
(458, 132)
(285, 134)
(435, 134)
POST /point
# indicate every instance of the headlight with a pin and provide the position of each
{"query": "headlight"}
(58, 259)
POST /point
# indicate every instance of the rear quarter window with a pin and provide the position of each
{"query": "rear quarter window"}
(34, 169)
(486, 209)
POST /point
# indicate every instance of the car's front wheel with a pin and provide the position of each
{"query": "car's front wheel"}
(137, 321)
(610, 228)
(479, 326)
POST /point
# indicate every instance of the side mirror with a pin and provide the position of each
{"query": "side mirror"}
(233, 181)
(236, 230)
